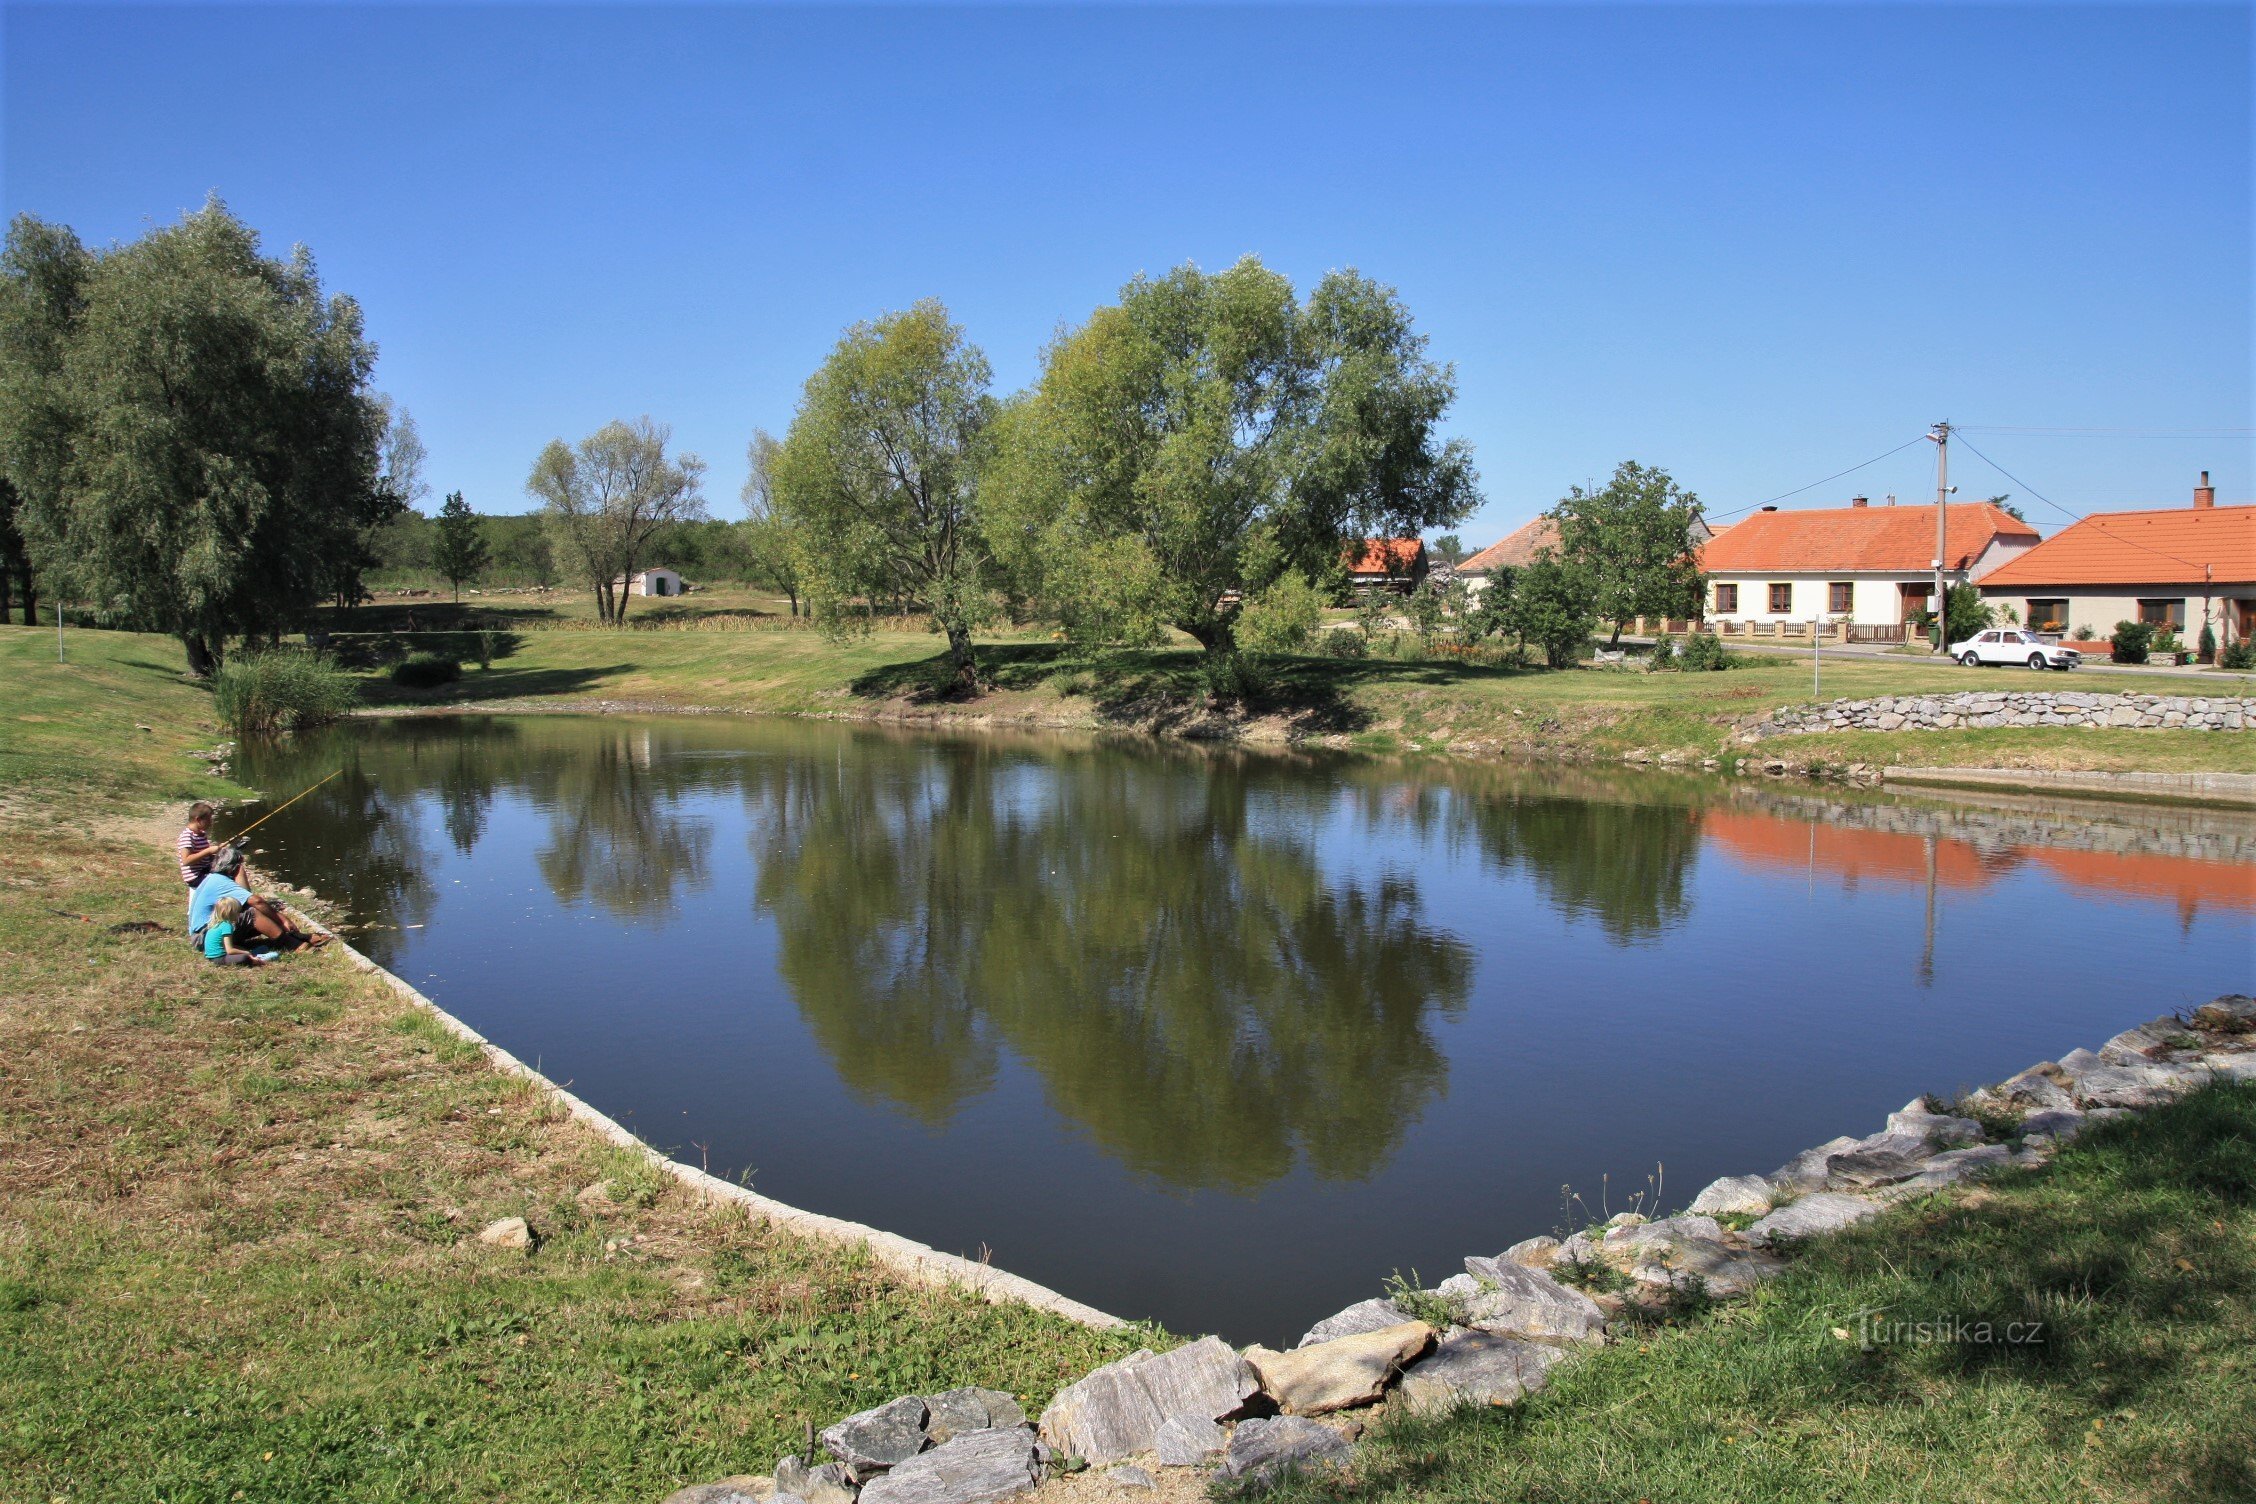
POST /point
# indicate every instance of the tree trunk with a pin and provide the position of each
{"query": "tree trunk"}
(7, 591)
(202, 661)
(1216, 636)
(30, 597)
(959, 654)
(793, 592)
(1615, 640)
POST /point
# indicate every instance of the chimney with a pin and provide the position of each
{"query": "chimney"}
(2204, 495)
(1891, 498)
(1860, 501)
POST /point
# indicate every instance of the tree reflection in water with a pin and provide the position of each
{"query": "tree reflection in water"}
(1171, 962)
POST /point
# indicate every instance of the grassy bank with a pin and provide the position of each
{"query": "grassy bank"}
(237, 1211)
(2133, 1256)
(1377, 704)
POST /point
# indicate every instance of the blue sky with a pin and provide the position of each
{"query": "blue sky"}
(1753, 245)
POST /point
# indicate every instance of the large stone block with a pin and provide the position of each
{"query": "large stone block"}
(1529, 1303)
(1471, 1367)
(1812, 1216)
(1262, 1451)
(1363, 1316)
(978, 1467)
(874, 1440)
(1339, 1374)
(1117, 1410)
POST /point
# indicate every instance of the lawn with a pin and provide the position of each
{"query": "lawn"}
(756, 662)
(237, 1211)
(2133, 1257)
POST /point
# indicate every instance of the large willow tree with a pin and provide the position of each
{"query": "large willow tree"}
(1208, 434)
(193, 440)
(880, 477)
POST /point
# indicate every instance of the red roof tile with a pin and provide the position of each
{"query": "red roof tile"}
(1856, 538)
(1517, 550)
(2171, 547)
(1387, 556)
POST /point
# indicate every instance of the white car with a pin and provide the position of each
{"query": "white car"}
(2012, 645)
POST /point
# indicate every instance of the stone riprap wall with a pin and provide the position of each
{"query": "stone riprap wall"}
(1494, 1333)
(2034, 707)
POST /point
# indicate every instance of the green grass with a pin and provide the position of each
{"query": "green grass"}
(1381, 705)
(237, 1209)
(2135, 1253)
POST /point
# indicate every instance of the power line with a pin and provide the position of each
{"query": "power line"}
(2071, 516)
(1813, 485)
(2109, 433)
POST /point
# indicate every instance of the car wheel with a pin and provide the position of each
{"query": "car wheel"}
(1970, 659)
(2036, 661)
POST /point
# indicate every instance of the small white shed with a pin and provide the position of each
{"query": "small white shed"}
(655, 582)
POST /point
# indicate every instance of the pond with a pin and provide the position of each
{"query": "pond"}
(1225, 1038)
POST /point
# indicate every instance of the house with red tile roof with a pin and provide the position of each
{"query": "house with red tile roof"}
(1519, 549)
(1386, 563)
(2184, 566)
(1872, 567)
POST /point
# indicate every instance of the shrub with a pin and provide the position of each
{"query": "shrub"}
(281, 689)
(1702, 652)
(1229, 676)
(2131, 641)
(425, 671)
(1348, 644)
(2166, 642)
(2239, 655)
(1281, 617)
(2208, 643)
(2084, 633)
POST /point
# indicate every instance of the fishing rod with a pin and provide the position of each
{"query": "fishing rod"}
(285, 804)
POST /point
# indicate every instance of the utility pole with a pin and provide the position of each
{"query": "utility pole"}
(1940, 433)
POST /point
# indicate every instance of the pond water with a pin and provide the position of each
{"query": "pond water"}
(1223, 1038)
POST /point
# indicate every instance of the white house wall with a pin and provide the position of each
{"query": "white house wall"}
(1874, 600)
(2100, 607)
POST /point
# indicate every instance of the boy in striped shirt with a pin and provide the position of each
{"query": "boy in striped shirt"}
(196, 849)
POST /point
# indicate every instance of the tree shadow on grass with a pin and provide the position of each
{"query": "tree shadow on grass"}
(496, 683)
(1170, 690)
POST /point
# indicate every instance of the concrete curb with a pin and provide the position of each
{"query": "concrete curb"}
(903, 1256)
(2235, 790)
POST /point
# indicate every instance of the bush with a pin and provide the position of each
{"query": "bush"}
(425, 671)
(2166, 642)
(1344, 644)
(2208, 644)
(1229, 676)
(2239, 655)
(282, 689)
(1702, 652)
(1281, 617)
(2131, 641)
(2084, 633)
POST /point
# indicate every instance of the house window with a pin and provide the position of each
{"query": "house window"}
(1727, 599)
(2163, 613)
(1781, 599)
(1837, 597)
(2046, 616)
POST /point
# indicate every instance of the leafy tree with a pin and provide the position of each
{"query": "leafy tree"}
(1204, 435)
(1633, 544)
(1428, 611)
(1449, 548)
(1552, 606)
(219, 439)
(2003, 504)
(880, 473)
(460, 549)
(2131, 641)
(43, 273)
(772, 545)
(606, 498)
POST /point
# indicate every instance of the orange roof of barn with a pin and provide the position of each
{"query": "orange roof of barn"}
(1384, 555)
(1517, 550)
(1898, 539)
(2171, 547)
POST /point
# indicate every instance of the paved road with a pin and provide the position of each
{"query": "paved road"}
(2225, 683)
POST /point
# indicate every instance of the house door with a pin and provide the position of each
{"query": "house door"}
(1912, 598)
